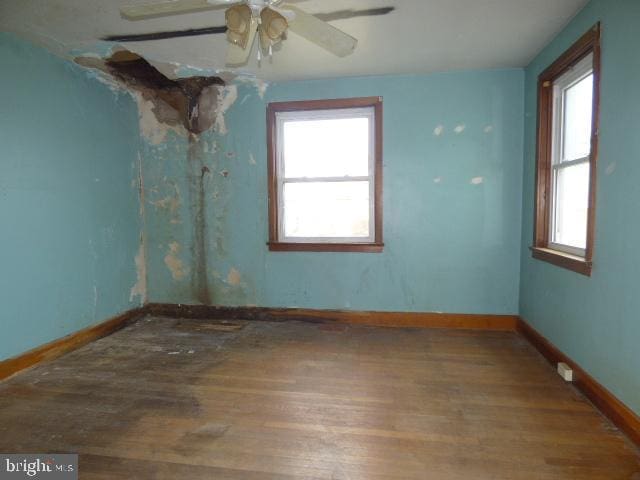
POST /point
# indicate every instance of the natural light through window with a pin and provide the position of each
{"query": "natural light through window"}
(571, 150)
(325, 175)
(326, 182)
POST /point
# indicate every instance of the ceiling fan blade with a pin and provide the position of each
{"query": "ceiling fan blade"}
(145, 37)
(321, 33)
(174, 7)
(350, 13)
(238, 56)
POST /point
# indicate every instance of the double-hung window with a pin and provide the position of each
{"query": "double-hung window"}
(325, 175)
(567, 152)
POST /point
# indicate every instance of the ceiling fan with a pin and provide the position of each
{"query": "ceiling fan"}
(269, 20)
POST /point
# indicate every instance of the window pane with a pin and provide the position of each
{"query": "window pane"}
(326, 148)
(571, 205)
(327, 209)
(578, 107)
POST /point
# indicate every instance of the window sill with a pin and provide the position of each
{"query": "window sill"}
(561, 259)
(326, 247)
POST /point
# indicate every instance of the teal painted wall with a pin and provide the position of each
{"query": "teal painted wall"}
(451, 245)
(69, 205)
(595, 320)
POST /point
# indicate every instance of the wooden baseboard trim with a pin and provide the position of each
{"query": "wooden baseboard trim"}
(382, 319)
(616, 411)
(63, 345)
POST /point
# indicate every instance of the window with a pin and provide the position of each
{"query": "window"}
(325, 175)
(568, 104)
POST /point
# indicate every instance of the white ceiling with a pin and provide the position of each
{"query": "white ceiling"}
(420, 36)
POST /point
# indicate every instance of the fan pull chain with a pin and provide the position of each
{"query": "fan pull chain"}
(259, 46)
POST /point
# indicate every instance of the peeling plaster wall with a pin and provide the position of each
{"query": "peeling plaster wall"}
(69, 205)
(595, 320)
(452, 202)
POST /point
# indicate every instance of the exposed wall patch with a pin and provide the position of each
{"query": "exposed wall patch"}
(173, 262)
(227, 97)
(233, 277)
(152, 128)
(611, 168)
(140, 288)
(171, 203)
(260, 85)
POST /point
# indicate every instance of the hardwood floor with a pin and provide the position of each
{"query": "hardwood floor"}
(197, 399)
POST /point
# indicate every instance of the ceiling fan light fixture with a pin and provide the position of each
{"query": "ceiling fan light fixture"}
(273, 26)
(238, 19)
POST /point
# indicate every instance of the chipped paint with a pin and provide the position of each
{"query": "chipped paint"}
(477, 180)
(226, 98)
(439, 130)
(233, 277)
(170, 203)
(488, 129)
(174, 264)
(260, 85)
(229, 231)
(611, 168)
(460, 128)
(140, 288)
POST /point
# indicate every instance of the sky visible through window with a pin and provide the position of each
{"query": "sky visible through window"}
(572, 182)
(332, 151)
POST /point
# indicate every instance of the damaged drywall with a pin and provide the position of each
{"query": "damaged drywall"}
(173, 115)
(180, 123)
(174, 102)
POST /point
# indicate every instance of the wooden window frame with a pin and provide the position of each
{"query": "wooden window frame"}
(589, 43)
(274, 243)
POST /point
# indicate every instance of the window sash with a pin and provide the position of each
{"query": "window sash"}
(281, 180)
(580, 252)
(579, 72)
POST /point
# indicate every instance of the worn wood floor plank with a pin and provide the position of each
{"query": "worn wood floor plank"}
(166, 399)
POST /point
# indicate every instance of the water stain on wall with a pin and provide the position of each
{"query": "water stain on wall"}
(188, 107)
(197, 205)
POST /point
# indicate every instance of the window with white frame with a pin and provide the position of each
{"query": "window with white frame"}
(325, 175)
